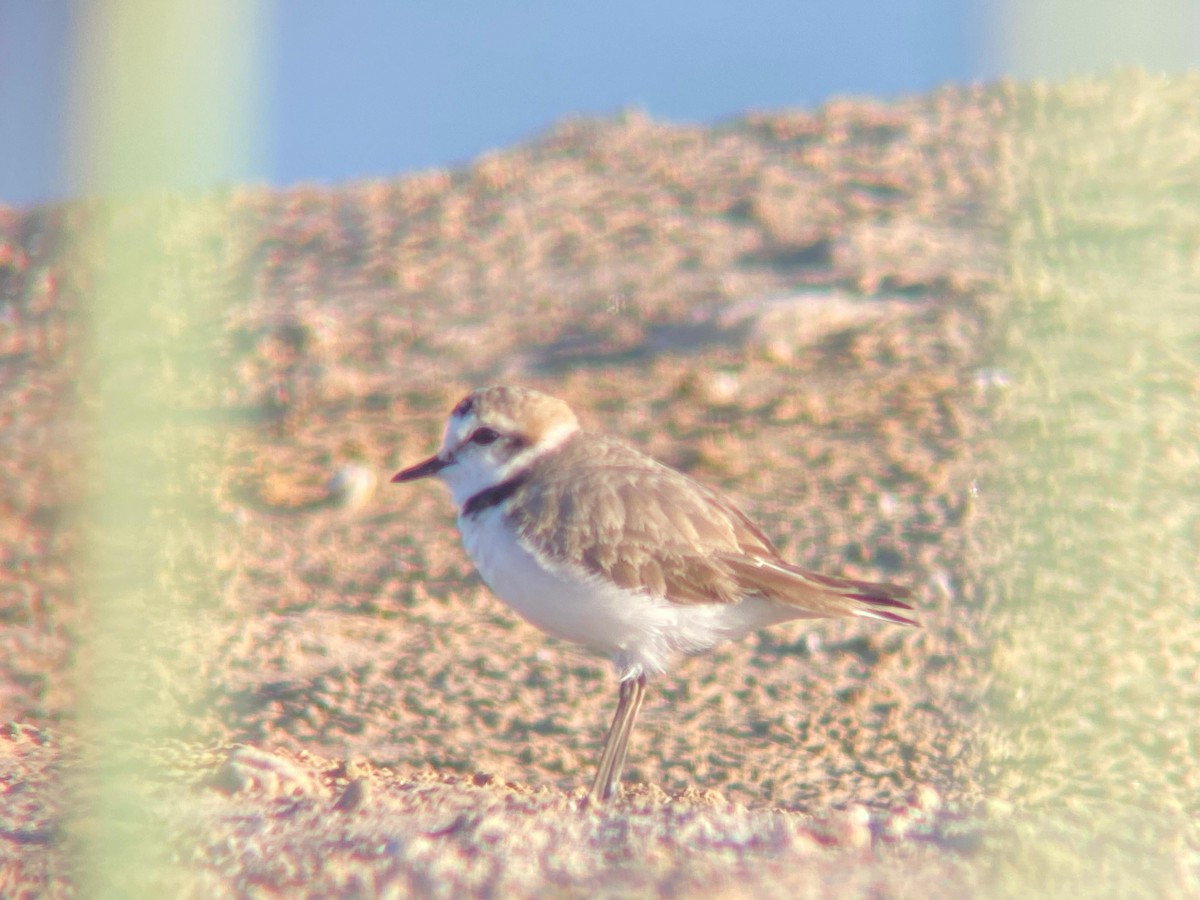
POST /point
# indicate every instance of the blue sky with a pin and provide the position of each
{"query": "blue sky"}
(372, 88)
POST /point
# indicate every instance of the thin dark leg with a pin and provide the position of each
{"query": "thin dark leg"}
(612, 758)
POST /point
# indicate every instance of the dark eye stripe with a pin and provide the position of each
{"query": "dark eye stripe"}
(485, 436)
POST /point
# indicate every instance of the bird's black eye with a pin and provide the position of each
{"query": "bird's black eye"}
(485, 436)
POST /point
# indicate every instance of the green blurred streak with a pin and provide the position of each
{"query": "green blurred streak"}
(164, 100)
(1060, 38)
(1092, 696)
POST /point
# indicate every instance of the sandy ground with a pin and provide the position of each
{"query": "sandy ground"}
(309, 689)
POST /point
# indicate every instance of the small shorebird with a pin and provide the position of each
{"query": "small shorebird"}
(598, 544)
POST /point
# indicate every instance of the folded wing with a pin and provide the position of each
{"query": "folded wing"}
(645, 526)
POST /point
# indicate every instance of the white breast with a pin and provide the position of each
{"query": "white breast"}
(638, 631)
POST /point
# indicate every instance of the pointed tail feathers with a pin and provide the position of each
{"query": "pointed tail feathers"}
(813, 594)
(875, 599)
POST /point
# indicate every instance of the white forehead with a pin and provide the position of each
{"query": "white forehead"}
(463, 424)
(534, 418)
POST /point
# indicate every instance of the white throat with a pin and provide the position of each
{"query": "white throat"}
(472, 473)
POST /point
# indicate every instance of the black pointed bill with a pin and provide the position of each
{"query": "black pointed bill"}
(429, 467)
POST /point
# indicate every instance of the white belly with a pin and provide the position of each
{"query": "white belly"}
(639, 631)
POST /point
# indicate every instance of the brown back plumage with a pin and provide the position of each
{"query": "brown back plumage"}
(643, 525)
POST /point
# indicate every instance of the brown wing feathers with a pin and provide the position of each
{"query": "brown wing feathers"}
(823, 595)
(643, 525)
